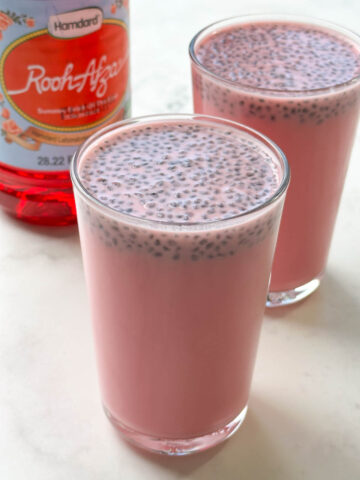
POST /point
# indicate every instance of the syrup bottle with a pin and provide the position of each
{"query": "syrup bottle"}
(64, 73)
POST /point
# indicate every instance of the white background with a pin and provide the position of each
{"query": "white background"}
(304, 415)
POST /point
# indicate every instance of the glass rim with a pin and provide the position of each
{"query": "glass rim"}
(165, 225)
(257, 17)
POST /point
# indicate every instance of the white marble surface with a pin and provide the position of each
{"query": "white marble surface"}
(304, 416)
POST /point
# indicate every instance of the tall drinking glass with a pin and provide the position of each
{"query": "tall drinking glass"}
(297, 80)
(178, 219)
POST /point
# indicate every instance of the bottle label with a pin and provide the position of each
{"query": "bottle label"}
(64, 71)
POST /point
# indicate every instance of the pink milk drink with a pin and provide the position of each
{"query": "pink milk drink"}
(297, 81)
(178, 219)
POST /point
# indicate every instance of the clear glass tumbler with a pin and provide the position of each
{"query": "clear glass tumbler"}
(314, 126)
(176, 306)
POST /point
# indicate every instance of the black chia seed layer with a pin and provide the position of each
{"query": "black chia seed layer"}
(280, 56)
(288, 61)
(180, 173)
(180, 245)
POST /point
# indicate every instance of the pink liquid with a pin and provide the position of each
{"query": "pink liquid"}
(265, 75)
(177, 306)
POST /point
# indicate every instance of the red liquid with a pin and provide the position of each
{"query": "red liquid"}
(42, 198)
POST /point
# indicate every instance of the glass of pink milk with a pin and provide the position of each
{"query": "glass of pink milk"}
(178, 219)
(296, 80)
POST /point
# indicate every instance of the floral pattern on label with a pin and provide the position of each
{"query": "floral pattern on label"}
(63, 75)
